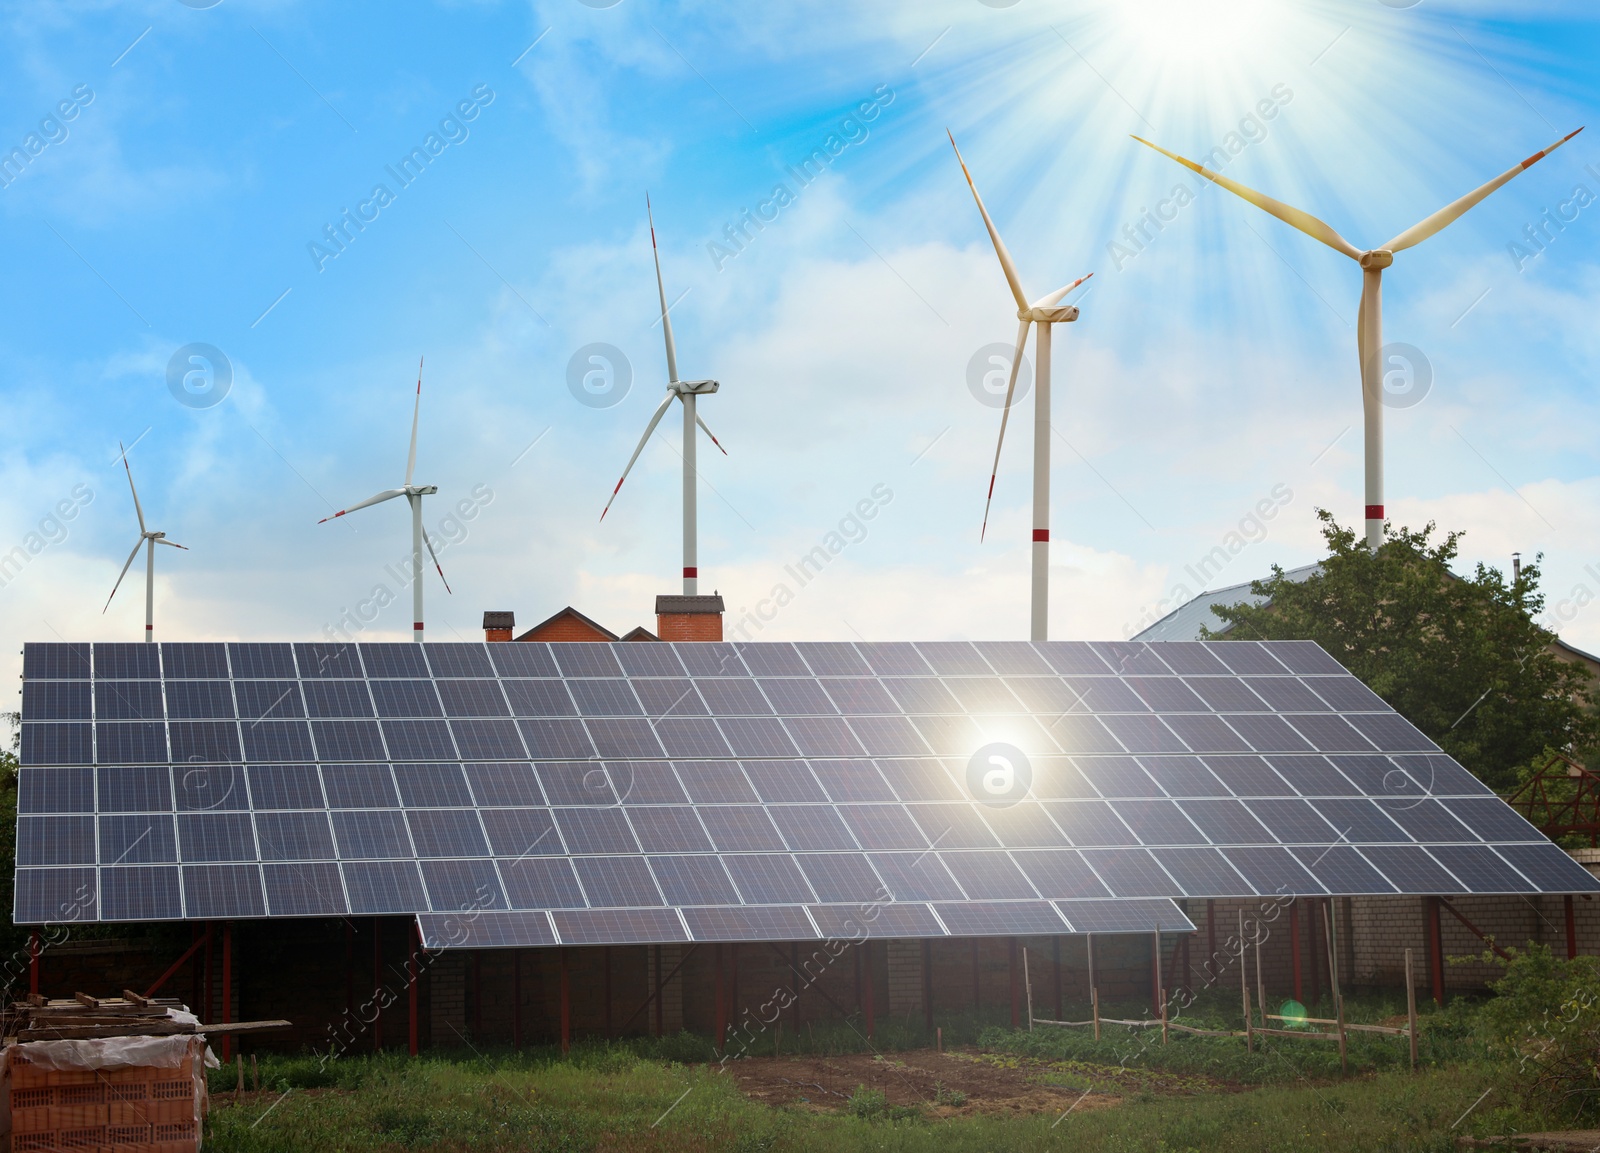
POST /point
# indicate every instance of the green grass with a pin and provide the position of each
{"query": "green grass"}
(662, 1094)
(616, 1100)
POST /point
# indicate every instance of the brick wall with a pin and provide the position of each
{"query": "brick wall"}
(1384, 927)
(689, 626)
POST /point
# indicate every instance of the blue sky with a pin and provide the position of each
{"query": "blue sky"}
(208, 149)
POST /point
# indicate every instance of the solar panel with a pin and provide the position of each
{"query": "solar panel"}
(639, 793)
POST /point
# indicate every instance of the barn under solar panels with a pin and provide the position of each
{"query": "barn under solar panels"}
(524, 794)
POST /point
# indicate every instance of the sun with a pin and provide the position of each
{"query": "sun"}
(1199, 33)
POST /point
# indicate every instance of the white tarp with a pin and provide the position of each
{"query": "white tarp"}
(113, 1052)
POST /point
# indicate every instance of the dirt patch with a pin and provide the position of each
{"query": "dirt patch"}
(958, 1082)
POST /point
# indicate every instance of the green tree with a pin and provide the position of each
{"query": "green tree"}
(1462, 658)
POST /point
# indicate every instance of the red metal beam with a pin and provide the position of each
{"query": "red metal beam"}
(566, 1006)
(477, 996)
(1294, 947)
(205, 1012)
(720, 1034)
(154, 989)
(349, 970)
(866, 954)
(1474, 930)
(227, 989)
(1211, 939)
(1316, 964)
(413, 1015)
(1435, 947)
(1012, 982)
(1155, 974)
(516, 999)
(660, 985)
(377, 984)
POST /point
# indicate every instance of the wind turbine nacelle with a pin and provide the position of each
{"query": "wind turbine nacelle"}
(1377, 258)
(1061, 315)
(696, 387)
(422, 489)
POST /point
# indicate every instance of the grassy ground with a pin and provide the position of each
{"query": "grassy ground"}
(1193, 1094)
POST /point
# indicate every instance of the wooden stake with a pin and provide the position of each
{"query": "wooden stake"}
(1411, 1009)
(1249, 1024)
(255, 1073)
(938, 1039)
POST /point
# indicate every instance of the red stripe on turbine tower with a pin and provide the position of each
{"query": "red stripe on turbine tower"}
(417, 625)
(1374, 512)
(691, 572)
(1041, 534)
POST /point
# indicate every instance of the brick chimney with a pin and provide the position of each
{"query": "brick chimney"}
(498, 626)
(685, 618)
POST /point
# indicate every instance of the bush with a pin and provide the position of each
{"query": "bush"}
(1546, 1022)
(872, 1105)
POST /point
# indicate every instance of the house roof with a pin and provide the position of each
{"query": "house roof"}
(1184, 622)
(569, 614)
(688, 604)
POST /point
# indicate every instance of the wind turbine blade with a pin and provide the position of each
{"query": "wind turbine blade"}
(1007, 265)
(416, 411)
(137, 545)
(171, 543)
(1005, 414)
(700, 420)
(1055, 297)
(1294, 217)
(131, 489)
(666, 321)
(386, 494)
(649, 428)
(1447, 215)
(435, 557)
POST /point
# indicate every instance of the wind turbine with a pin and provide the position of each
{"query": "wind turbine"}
(149, 540)
(414, 494)
(685, 392)
(1369, 318)
(1046, 311)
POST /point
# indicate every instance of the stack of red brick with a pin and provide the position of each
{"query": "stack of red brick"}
(122, 1074)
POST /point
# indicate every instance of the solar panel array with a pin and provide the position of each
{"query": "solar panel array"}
(522, 793)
